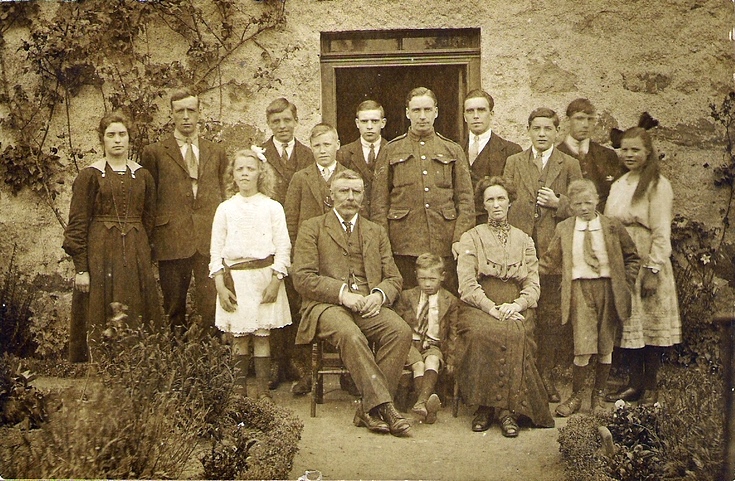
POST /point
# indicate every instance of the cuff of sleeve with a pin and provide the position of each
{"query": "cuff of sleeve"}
(522, 302)
(80, 264)
(487, 306)
(214, 274)
(385, 298)
(341, 293)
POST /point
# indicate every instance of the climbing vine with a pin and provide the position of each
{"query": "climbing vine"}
(107, 45)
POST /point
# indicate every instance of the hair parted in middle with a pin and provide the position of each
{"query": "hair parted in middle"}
(487, 181)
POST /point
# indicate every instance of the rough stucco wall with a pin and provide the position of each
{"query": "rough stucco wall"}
(670, 58)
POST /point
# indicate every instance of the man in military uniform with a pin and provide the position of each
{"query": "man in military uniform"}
(422, 193)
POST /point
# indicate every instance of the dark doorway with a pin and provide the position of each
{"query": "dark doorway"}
(389, 85)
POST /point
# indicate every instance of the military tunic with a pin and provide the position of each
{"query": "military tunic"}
(422, 194)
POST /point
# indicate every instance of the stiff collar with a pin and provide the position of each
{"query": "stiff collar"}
(181, 138)
(352, 221)
(594, 224)
(483, 137)
(416, 137)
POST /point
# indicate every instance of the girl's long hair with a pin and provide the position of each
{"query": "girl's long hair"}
(650, 172)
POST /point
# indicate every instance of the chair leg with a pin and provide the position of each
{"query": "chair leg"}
(315, 366)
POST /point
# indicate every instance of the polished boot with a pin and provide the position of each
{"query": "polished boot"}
(425, 386)
(483, 419)
(262, 377)
(373, 423)
(303, 386)
(240, 374)
(398, 425)
(634, 389)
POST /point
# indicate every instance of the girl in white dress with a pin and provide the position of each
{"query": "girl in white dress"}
(643, 200)
(250, 256)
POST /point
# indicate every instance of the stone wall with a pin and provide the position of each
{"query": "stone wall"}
(671, 58)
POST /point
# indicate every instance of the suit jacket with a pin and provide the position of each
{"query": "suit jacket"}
(351, 156)
(601, 165)
(184, 223)
(307, 197)
(406, 306)
(489, 162)
(301, 157)
(521, 172)
(622, 257)
(321, 267)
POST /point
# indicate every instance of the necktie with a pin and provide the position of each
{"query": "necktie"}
(474, 149)
(191, 160)
(539, 161)
(589, 253)
(348, 227)
(423, 318)
(284, 154)
(325, 174)
(371, 155)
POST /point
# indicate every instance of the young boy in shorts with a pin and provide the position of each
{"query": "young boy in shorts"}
(431, 311)
(599, 264)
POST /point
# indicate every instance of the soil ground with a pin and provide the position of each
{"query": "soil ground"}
(447, 450)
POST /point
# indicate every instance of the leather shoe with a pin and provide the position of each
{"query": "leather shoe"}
(274, 379)
(483, 419)
(398, 425)
(432, 406)
(649, 398)
(290, 371)
(569, 406)
(626, 394)
(373, 423)
(303, 386)
(346, 383)
(551, 392)
(509, 427)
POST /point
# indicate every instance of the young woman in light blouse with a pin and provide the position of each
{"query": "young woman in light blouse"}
(642, 200)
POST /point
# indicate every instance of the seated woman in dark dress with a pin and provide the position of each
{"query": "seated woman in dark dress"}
(499, 284)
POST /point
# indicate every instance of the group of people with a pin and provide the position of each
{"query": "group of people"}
(479, 260)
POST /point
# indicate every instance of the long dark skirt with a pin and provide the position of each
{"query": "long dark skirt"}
(497, 366)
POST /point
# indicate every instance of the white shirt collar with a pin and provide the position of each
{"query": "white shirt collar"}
(366, 145)
(594, 224)
(577, 146)
(483, 137)
(544, 155)
(289, 145)
(330, 168)
(352, 221)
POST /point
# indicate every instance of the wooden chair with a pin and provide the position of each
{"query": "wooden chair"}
(322, 363)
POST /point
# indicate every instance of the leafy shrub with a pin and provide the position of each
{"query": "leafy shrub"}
(257, 440)
(19, 401)
(680, 438)
(146, 364)
(16, 296)
(109, 435)
(696, 257)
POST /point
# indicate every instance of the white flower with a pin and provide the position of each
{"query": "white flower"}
(619, 404)
(259, 152)
(706, 259)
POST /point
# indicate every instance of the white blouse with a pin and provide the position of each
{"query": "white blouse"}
(249, 228)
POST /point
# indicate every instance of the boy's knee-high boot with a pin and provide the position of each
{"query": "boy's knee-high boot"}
(262, 376)
(572, 405)
(597, 401)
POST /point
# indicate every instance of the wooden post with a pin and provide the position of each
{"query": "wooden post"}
(727, 319)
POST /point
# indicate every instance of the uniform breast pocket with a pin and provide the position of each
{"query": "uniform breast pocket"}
(443, 167)
(401, 169)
